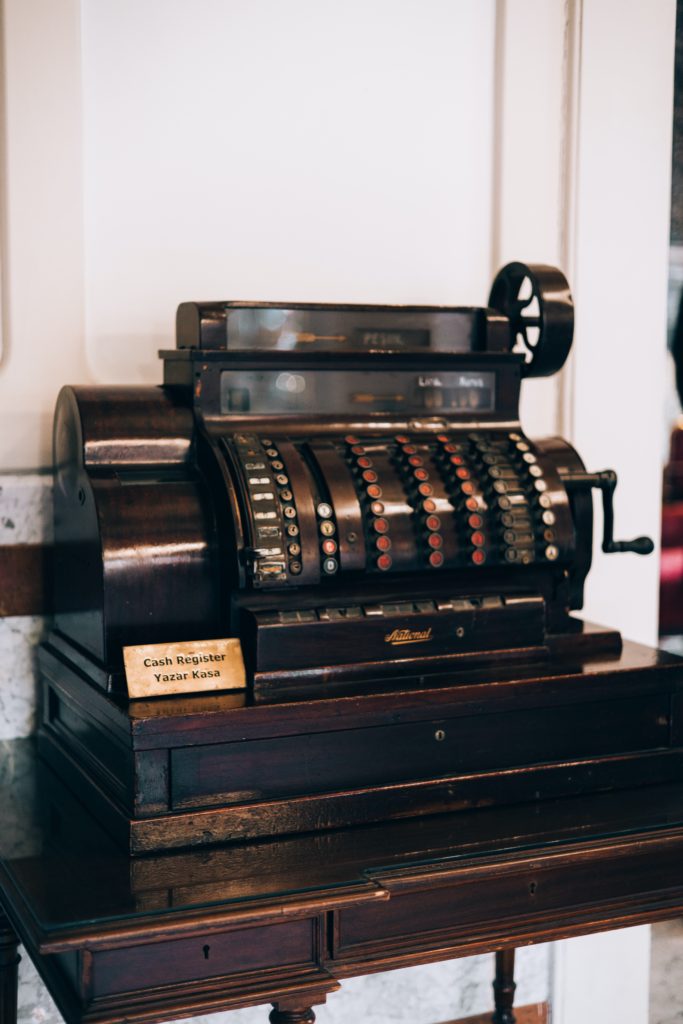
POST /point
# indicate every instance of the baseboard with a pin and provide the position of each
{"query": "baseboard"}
(534, 1013)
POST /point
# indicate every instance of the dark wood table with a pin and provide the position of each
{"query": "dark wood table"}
(284, 922)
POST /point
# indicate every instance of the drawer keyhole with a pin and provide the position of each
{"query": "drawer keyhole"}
(206, 951)
(533, 886)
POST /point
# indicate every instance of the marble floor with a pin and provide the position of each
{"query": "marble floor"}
(666, 980)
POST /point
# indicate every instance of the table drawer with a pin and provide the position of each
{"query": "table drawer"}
(432, 908)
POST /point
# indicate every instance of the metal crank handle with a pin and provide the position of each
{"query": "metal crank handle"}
(606, 481)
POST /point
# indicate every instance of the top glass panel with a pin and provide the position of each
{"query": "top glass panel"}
(340, 330)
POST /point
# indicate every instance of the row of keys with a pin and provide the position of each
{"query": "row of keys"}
(389, 609)
(269, 562)
(327, 529)
(416, 472)
(371, 491)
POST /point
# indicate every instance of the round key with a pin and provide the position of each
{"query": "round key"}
(402, 439)
(369, 476)
(472, 504)
(292, 530)
(364, 462)
(509, 536)
(421, 474)
(272, 453)
(450, 447)
(504, 502)
(522, 446)
(478, 556)
(426, 490)
(380, 525)
(327, 528)
(429, 505)
(289, 512)
(358, 449)
(456, 460)
(544, 501)
(475, 522)
(462, 473)
(490, 460)
(295, 568)
(443, 438)
(552, 553)
(478, 539)
(500, 486)
(549, 536)
(281, 480)
(436, 559)
(435, 540)
(278, 465)
(324, 510)
(351, 439)
(266, 442)
(286, 495)
(535, 471)
(514, 437)
(548, 518)
(374, 491)
(377, 508)
(540, 485)
(329, 546)
(294, 550)
(433, 523)
(384, 562)
(383, 542)
(410, 449)
(511, 555)
(414, 460)
(330, 565)
(467, 487)
(529, 457)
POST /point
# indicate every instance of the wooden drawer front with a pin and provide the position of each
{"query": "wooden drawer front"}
(323, 762)
(468, 905)
(196, 959)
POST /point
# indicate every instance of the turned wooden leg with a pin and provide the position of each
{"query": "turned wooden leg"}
(504, 987)
(9, 962)
(301, 1015)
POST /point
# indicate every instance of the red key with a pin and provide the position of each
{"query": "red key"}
(383, 543)
(478, 539)
(475, 522)
(351, 439)
(374, 491)
(377, 508)
(402, 439)
(433, 523)
(329, 547)
(435, 559)
(472, 504)
(435, 540)
(358, 449)
(421, 474)
(426, 490)
(384, 562)
(478, 557)
(462, 473)
(381, 525)
(429, 505)
(415, 460)
(370, 476)
(467, 487)
(364, 462)
(457, 460)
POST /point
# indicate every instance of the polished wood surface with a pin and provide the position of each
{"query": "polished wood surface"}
(285, 921)
(187, 771)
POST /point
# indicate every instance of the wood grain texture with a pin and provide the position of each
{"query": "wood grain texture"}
(25, 579)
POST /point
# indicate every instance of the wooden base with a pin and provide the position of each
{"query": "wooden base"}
(179, 772)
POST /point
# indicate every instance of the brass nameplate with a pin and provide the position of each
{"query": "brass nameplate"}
(197, 666)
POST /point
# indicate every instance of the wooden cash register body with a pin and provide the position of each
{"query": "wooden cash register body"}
(353, 495)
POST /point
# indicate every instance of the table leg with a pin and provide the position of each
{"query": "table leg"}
(9, 962)
(504, 987)
(290, 1015)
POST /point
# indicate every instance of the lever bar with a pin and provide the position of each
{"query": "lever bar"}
(606, 481)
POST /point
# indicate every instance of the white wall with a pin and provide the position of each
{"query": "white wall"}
(307, 151)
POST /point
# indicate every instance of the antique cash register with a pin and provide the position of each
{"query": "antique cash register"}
(348, 493)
